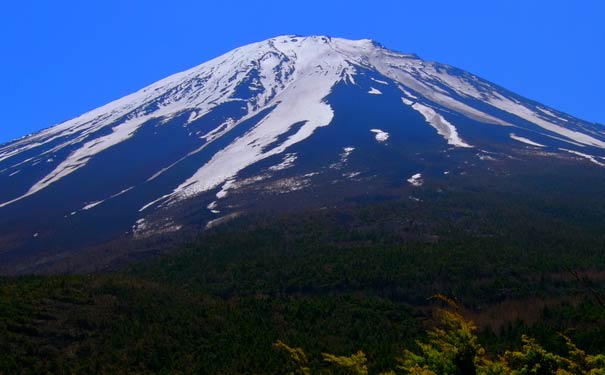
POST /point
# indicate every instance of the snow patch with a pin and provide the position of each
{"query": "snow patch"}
(381, 136)
(288, 185)
(344, 157)
(139, 225)
(287, 162)
(351, 174)
(233, 184)
(350, 77)
(416, 180)
(379, 81)
(443, 127)
(525, 140)
(144, 229)
(95, 204)
(91, 205)
(192, 117)
(346, 152)
(374, 91)
(551, 114)
(224, 192)
(408, 94)
(485, 157)
(213, 208)
(407, 101)
(586, 156)
(153, 202)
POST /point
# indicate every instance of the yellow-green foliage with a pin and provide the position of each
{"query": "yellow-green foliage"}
(298, 357)
(355, 364)
(533, 359)
(453, 349)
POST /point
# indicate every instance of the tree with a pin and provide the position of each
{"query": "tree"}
(453, 349)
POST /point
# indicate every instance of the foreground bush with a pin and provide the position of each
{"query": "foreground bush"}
(453, 348)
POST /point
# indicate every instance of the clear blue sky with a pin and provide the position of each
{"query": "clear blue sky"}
(62, 58)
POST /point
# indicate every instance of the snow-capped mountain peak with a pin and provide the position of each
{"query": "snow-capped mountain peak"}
(213, 128)
(293, 74)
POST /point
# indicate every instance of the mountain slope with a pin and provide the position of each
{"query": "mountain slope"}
(284, 123)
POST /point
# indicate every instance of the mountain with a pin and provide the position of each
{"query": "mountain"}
(288, 123)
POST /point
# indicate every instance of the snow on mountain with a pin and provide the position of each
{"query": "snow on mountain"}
(381, 135)
(293, 75)
(415, 180)
(443, 127)
(525, 140)
(262, 113)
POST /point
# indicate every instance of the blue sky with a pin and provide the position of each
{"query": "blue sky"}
(63, 58)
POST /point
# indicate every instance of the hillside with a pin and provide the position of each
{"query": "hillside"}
(338, 280)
